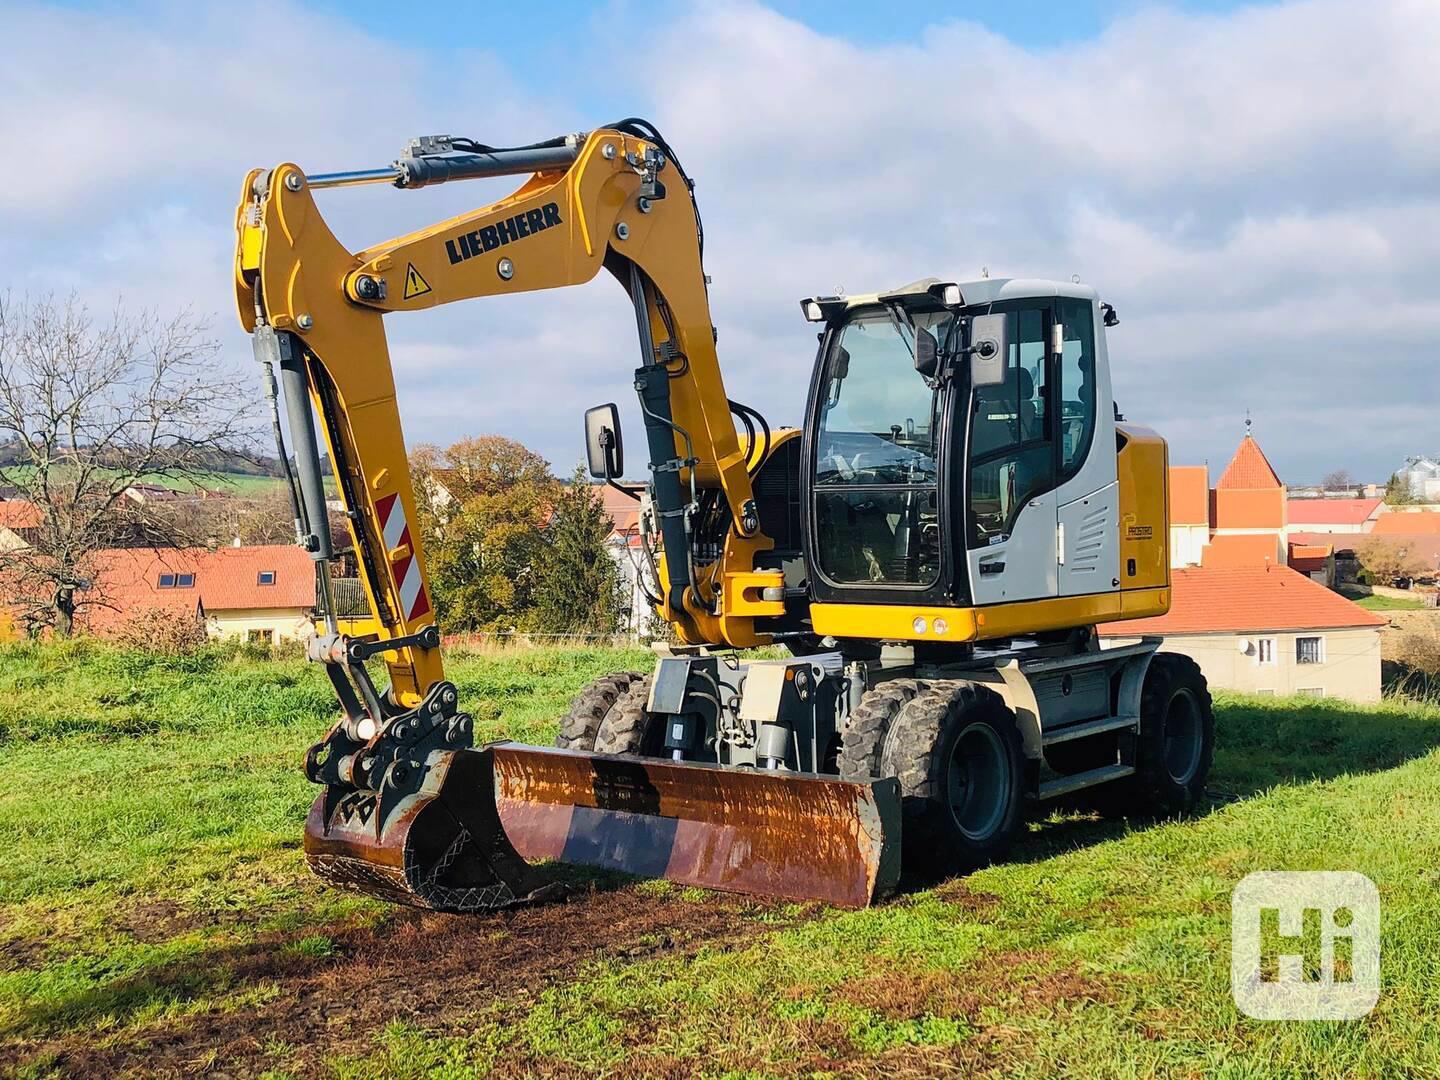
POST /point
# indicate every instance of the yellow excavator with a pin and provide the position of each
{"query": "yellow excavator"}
(933, 548)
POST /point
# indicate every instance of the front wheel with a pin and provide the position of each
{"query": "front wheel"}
(630, 728)
(960, 761)
(596, 700)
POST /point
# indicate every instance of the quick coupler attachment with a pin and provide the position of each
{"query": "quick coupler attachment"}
(408, 814)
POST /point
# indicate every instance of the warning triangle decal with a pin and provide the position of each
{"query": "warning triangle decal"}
(415, 285)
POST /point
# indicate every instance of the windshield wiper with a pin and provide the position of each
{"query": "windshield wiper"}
(896, 311)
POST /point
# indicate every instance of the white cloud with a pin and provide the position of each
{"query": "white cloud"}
(1255, 191)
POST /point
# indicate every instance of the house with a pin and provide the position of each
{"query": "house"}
(1249, 520)
(264, 593)
(1406, 522)
(1189, 491)
(1267, 630)
(1247, 511)
(1333, 515)
(623, 509)
(20, 521)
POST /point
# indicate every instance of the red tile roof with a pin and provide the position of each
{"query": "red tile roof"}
(1329, 511)
(1400, 523)
(1189, 495)
(1242, 549)
(1204, 601)
(19, 514)
(1248, 469)
(225, 580)
(1308, 558)
(623, 510)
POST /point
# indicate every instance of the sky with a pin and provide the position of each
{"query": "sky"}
(1254, 187)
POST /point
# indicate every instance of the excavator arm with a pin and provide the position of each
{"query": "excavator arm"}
(409, 809)
(592, 202)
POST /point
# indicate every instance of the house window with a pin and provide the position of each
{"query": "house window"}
(1265, 651)
(184, 581)
(260, 637)
(1310, 691)
(1264, 693)
(1309, 650)
(167, 581)
(265, 577)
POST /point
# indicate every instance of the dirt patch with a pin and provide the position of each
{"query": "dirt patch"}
(156, 921)
(433, 970)
(959, 893)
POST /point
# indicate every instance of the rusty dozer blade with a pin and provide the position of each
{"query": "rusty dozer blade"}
(441, 847)
(792, 835)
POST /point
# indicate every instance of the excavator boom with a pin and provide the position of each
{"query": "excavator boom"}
(410, 809)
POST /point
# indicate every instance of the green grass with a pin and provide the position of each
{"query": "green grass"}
(247, 485)
(1376, 602)
(151, 815)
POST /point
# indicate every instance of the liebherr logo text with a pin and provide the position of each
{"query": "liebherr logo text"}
(468, 245)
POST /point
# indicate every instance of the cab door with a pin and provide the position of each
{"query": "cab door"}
(1087, 491)
(1011, 512)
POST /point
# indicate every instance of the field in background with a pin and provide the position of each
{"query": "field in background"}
(156, 915)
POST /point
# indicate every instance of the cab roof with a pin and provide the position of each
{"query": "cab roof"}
(983, 290)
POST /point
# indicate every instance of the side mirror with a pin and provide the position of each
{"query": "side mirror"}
(603, 452)
(988, 346)
(927, 354)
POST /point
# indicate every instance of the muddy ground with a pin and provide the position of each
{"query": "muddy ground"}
(436, 971)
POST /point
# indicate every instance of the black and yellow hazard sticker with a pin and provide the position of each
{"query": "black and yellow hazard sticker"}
(415, 285)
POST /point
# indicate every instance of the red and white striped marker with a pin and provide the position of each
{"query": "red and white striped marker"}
(396, 531)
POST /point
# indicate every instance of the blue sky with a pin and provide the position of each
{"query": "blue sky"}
(553, 24)
(1259, 206)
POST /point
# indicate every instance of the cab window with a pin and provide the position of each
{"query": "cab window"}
(1012, 455)
(1077, 386)
(876, 455)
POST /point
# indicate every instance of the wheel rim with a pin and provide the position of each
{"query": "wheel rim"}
(978, 784)
(1182, 737)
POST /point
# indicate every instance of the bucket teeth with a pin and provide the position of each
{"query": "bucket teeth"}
(441, 848)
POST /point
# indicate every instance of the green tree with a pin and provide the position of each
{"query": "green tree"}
(579, 586)
(1397, 491)
(483, 504)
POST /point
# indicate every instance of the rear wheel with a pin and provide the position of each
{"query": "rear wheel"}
(629, 727)
(590, 707)
(1175, 746)
(958, 755)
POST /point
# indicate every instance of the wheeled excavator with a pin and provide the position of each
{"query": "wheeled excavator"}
(930, 553)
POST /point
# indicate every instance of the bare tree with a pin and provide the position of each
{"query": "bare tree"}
(1339, 480)
(94, 408)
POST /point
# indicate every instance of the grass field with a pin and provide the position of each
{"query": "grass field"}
(156, 915)
(244, 485)
(1375, 602)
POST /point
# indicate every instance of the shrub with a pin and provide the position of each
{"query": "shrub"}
(154, 630)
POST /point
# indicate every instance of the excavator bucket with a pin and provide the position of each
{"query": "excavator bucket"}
(791, 835)
(460, 843)
(442, 847)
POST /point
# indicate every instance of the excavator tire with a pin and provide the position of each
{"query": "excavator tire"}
(957, 752)
(590, 707)
(1175, 747)
(864, 737)
(629, 727)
